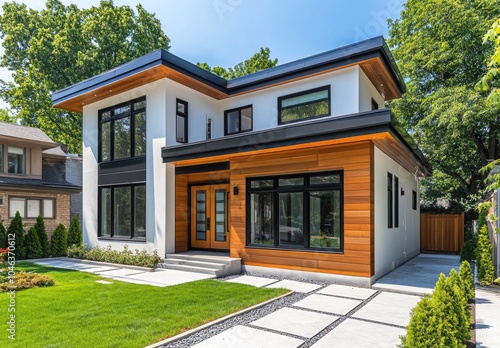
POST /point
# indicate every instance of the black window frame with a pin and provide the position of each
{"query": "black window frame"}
(298, 94)
(184, 115)
(390, 201)
(396, 201)
(414, 200)
(111, 236)
(306, 188)
(226, 112)
(112, 119)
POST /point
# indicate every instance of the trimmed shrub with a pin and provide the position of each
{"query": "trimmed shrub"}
(124, 257)
(481, 222)
(485, 268)
(78, 251)
(42, 236)
(33, 247)
(455, 289)
(16, 228)
(74, 232)
(465, 272)
(423, 329)
(24, 280)
(468, 252)
(3, 236)
(59, 241)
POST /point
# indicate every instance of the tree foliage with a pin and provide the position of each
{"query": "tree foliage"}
(492, 78)
(3, 236)
(74, 232)
(61, 45)
(465, 272)
(259, 61)
(16, 228)
(59, 241)
(33, 246)
(42, 236)
(439, 50)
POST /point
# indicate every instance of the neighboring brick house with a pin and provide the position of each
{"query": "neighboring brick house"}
(33, 177)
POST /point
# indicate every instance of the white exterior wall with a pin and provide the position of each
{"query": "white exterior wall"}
(367, 91)
(155, 169)
(394, 246)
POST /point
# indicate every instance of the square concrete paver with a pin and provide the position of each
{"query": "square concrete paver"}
(251, 280)
(295, 286)
(328, 304)
(166, 277)
(347, 291)
(356, 333)
(295, 321)
(390, 308)
(120, 272)
(246, 337)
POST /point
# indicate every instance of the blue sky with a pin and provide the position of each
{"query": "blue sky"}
(226, 32)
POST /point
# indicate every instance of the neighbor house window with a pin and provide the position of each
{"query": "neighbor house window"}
(392, 201)
(238, 120)
(1, 158)
(303, 211)
(122, 131)
(31, 208)
(122, 212)
(181, 121)
(304, 105)
(15, 157)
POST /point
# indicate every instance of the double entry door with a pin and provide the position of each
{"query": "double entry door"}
(209, 212)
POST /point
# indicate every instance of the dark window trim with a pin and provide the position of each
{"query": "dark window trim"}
(111, 119)
(396, 201)
(40, 199)
(184, 115)
(414, 200)
(306, 188)
(112, 227)
(390, 203)
(298, 94)
(239, 119)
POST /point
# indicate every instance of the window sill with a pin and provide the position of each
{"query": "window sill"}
(122, 239)
(304, 250)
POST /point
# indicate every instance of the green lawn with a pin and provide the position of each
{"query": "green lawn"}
(78, 312)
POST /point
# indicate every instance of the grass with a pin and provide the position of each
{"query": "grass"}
(79, 312)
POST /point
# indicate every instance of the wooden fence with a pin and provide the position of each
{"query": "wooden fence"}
(441, 232)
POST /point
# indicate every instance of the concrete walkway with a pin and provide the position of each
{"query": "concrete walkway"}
(487, 317)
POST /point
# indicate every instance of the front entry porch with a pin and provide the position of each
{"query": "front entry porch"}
(217, 263)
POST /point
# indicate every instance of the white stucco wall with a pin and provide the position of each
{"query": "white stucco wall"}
(155, 169)
(367, 91)
(394, 246)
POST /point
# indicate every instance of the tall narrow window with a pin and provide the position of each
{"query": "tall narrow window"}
(181, 121)
(396, 201)
(16, 160)
(1, 158)
(304, 105)
(413, 200)
(238, 120)
(390, 203)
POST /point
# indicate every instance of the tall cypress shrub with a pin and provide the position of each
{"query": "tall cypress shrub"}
(33, 247)
(3, 236)
(423, 330)
(485, 268)
(42, 236)
(455, 288)
(465, 272)
(74, 232)
(59, 241)
(16, 228)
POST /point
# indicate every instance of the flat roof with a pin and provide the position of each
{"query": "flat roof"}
(372, 55)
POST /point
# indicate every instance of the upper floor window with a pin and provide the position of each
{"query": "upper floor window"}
(15, 158)
(304, 105)
(122, 131)
(1, 158)
(181, 121)
(238, 120)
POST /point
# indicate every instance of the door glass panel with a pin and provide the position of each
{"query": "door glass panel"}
(291, 219)
(201, 215)
(220, 215)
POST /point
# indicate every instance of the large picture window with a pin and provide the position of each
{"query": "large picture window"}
(122, 212)
(238, 120)
(304, 105)
(303, 211)
(122, 131)
(31, 208)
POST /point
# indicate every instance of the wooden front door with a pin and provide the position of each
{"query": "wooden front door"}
(209, 217)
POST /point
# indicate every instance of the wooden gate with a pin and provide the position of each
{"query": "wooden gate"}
(441, 232)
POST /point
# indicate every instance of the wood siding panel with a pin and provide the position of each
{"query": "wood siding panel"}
(36, 161)
(181, 213)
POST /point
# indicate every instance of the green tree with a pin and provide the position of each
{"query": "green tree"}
(42, 236)
(485, 268)
(74, 232)
(6, 116)
(492, 78)
(438, 47)
(16, 229)
(59, 241)
(259, 61)
(3, 236)
(465, 272)
(33, 246)
(58, 46)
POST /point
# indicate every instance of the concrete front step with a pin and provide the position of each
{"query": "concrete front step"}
(219, 266)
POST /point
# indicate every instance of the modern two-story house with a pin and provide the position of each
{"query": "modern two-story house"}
(33, 178)
(298, 167)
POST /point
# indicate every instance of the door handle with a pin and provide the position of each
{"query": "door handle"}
(208, 223)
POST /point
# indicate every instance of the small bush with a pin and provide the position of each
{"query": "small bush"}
(42, 236)
(465, 272)
(74, 232)
(468, 252)
(16, 228)
(24, 280)
(59, 241)
(485, 268)
(124, 257)
(423, 329)
(455, 288)
(3, 236)
(33, 247)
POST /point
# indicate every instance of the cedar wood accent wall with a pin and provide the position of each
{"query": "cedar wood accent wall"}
(355, 159)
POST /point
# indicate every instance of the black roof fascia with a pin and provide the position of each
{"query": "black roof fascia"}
(41, 185)
(371, 48)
